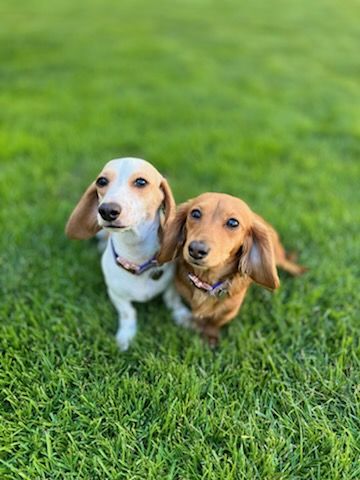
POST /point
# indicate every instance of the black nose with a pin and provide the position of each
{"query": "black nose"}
(198, 250)
(109, 211)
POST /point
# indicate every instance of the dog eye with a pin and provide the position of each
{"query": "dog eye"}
(195, 213)
(102, 182)
(140, 182)
(232, 223)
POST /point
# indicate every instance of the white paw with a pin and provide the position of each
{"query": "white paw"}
(182, 317)
(124, 338)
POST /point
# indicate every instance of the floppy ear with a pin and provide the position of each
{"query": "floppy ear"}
(82, 223)
(258, 259)
(168, 202)
(174, 235)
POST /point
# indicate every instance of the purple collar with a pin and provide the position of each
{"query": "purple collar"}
(218, 289)
(132, 267)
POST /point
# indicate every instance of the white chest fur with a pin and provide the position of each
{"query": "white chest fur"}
(136, 246)
(134, 288)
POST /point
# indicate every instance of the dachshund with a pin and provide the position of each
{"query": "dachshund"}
(132, 202)
(221, 247)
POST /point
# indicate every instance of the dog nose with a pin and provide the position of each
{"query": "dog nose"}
(109, 211)
(198, 250)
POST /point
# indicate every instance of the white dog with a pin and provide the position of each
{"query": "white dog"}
(132, 202)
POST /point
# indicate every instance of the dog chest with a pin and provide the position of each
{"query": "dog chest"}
(138, 288)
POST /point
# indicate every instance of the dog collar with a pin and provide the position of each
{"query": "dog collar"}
(132, 267)
(218, 289)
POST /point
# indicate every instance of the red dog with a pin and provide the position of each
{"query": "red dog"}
(222, 247)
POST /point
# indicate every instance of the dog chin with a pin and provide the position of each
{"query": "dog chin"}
(116, 228)
(196, 263)
(199, 264)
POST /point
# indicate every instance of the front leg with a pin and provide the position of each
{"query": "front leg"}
(127, 321)
(209, 327)
(181, 314)
(209, 331)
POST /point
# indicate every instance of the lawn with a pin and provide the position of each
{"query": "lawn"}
(258, 99)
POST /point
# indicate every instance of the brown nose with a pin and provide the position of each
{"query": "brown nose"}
(198, 250)
(109, 211)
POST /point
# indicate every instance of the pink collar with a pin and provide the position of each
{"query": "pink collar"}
(219, 289)
(132, 267)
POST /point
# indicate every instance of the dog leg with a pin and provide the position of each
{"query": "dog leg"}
(127, 321)
(181, 314)
(211, 335)
(209, 332)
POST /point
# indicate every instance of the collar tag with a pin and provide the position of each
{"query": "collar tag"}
(156, 274)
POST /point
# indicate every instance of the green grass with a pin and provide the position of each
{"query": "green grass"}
(258, 99)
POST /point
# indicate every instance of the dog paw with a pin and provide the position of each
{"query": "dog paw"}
(209, 333)
(182, 317)
(211, 341)
(124, 338)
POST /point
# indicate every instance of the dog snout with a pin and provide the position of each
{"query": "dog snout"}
(109, 211)
(198, 250)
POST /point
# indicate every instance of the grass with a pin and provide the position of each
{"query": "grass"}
(259, 99)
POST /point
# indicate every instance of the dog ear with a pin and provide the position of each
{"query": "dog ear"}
(82, 223)
(174, 235)
(168, 202)
(258, 259)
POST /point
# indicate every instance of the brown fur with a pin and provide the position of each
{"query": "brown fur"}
(243, 255)
(82, 223)
(169, 204)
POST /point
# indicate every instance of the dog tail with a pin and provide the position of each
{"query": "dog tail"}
(291, 267)
(286, 260)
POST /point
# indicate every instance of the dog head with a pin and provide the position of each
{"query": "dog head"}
(215, 229)
(126, 193)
